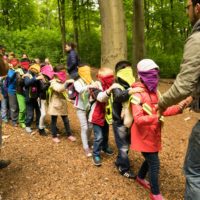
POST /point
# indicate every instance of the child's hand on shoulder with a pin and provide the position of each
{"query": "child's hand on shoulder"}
(135, 90)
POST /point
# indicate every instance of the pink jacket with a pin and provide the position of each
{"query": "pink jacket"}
(146, 129)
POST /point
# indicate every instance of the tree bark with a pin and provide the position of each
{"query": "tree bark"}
(113, 29)
(75, 22)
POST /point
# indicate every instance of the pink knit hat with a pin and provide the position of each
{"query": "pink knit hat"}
(48, 71)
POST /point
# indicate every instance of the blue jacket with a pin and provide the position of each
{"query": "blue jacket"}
(11, 77)
(72, 62)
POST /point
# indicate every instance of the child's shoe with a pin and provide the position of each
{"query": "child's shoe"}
(97, 160)
(156, 197)
(56, 140)
(88, 152)
(144, 183)
(22, 125)
(108, 151)
(28, 129)
(71, 138)
(127, 174)
(42, 132)
(14, 124)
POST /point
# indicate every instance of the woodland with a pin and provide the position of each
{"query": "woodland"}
(105, 31)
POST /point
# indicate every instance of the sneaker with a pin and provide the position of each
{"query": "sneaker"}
(144, 183)
(28, 129)
(5, 120)
(156, 197)
(22, 125)
(127, 174)
(56, 140)
(42, 132)
(71, 138)
(4, 163)
(97, 160)
(108, 151)
(88, 152)
(14, 124)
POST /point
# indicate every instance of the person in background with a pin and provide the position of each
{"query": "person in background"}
(72, 60)
(146, 128)
(48, 63)
(3, 72)
(187, 83)
(25, 62)
(82, 85)
(58, 103)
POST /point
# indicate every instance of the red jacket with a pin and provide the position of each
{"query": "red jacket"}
(146, 129)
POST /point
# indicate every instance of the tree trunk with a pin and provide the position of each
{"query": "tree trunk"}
(61, 16)
(75, 22)
(114, 39)
(138, 31)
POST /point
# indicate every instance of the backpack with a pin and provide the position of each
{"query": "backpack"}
(72, 93)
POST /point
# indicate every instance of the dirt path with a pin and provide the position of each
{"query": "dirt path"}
(43, 170)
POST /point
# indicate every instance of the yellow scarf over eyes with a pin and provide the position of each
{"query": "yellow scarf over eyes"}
(126, 74)
(85, 74)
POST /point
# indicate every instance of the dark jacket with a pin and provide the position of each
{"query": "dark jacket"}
(72, 62)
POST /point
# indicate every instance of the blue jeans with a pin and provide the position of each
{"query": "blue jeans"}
(192, 165)
(122, 139)
(151, 165)
(100, 138)
(4, 108)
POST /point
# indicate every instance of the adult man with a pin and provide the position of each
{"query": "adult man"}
(3, 72)
(185, 85)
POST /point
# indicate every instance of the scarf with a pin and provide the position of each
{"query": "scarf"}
(84, 73)
(106, 81)
(150, 79)
(62, 76)
(126, 74)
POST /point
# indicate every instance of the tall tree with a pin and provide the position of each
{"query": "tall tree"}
(138, 31)
(61, 16)
(75, 21)
(113, 29)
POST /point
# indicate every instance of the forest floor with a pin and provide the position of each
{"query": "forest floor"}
(41, 169)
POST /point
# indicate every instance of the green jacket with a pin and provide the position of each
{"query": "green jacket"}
(189, 76)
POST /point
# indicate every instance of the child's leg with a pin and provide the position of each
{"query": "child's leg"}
(42, 114)
(105, 147)
(84, 127)
(4, 109)
(122, 142)
(13, 108)
(154, 164)
(22, 108)
(29, 113)
(53, 126)
(67, 125)
(98, 139)
(37, 111)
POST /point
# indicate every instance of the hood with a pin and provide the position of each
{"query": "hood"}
(139, 84)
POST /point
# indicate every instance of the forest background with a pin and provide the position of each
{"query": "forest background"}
(154, 29)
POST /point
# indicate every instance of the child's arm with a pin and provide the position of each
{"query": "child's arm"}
(58, 87)
(79, 87)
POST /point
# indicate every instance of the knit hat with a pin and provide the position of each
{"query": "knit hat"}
(35, 68)
(146, 65)
(47, 70)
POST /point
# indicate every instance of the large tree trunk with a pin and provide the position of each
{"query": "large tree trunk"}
(138, 31)
(61, 16)
(114, 39)
(75, 22)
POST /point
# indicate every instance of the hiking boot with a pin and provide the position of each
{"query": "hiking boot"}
(22, 125)
(108, 151)
(97, 160)
(4, 163)
(56, 140)
(42, 132)
(28, 129)
(144, 183)
(156, 197)
(71, 138)
(88, 152)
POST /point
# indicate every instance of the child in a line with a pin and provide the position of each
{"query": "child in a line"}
(48, 74)
(58, 103)
(32, 89)
(101, 95)
(146, 129)
(82, 85)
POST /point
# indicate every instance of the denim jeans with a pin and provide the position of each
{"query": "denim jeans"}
(32, 105)
(100, 138)
(66, 124)
(151, 165)
(122, 139)
(86, 127)
(4, 108)
(192, 165)
(14, 110)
